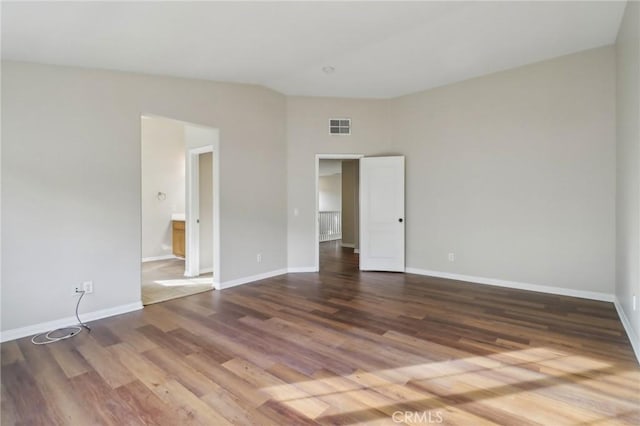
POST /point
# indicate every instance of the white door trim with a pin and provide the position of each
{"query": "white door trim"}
(317, 192)
(192, 237)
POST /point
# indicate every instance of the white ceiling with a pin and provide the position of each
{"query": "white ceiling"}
(378, 49)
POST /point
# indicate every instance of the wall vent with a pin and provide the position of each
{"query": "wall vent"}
(340, 126)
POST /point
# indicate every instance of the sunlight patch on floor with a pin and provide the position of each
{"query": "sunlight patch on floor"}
(402, 375)
(515, 381)
(185, 282)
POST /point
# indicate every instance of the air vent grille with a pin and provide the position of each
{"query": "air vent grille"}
(340, 126)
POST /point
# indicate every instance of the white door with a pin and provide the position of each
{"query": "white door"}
(382, 214)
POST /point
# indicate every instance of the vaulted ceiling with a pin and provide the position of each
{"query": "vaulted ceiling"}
(375, 49)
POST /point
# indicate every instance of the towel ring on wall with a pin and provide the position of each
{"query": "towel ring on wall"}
(162, 196)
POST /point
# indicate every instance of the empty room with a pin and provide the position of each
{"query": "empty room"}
(333, 212)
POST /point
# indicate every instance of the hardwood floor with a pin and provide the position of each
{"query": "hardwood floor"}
(164, 280)
(338, 347)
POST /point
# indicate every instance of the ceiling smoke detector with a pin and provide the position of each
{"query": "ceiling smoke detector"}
(328, 70)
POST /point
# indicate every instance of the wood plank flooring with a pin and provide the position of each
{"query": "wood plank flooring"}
(338, 347)
(164, 280)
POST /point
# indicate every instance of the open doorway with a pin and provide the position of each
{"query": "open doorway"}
(179, 209)
(337, 208)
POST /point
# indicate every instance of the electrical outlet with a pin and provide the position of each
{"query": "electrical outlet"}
(86, 287)
(452, 257)
(259, 258)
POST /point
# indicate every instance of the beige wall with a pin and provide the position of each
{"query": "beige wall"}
(628, 154)
(205, 181)
(71, 168)
(330, 193)
(350, 203)
(514, 172)
(308, 135)
(163, 170)
(328, 167)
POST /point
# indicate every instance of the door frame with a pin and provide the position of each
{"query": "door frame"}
(192, 235)
(319, 157)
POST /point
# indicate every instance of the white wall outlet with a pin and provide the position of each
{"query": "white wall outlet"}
(633, 299)
(87, 286)
(452, 257)
(259, 258)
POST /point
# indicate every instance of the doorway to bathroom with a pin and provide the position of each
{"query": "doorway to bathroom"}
(180, 220)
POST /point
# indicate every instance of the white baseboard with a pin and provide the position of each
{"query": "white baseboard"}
(593, 295)
(252, 278)
(332, 238)
(356, 251)
(164, 257)
(206, 270)
(633, 337)
(299, 269)
(347, 245)
(30, 330)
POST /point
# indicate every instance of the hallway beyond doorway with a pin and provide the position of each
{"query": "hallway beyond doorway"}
(336, 258)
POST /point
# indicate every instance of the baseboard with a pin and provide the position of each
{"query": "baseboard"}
(206, 270)
(347, 245)
(252, 278)
(633, 337)
(332, 238)
(30, 330)
(299, 269)
(356, 251)
(164, 257)
(593, 295)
